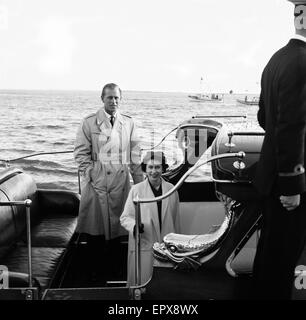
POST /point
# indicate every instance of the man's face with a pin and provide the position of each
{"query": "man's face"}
(111, 100)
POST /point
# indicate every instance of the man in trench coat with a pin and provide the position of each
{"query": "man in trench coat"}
(280, 174)
(106, 150)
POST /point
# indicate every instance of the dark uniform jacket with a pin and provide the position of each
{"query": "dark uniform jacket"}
(282, 114)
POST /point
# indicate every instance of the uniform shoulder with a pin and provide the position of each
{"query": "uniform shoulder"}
(88, 121)
(127, 119)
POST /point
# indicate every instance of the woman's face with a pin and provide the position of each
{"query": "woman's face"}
(154, 170)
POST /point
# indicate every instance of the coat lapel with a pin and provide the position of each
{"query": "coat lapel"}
(101, 117)
(111, 138)
(119, 118)
(119, 129)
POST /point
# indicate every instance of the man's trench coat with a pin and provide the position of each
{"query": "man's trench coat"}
(104, 155)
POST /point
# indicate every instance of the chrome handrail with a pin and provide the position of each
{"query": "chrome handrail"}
(147, 149)
(219, 116)
(7, 161)
(33, 155)
(137, 201)
(27, 203)
(194, 124)
(198, 125)
(230, 181)
(240, 155)
(137, 245)
(182, 126)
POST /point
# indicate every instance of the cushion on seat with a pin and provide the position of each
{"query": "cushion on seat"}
(60, 202)
(53, 221)
(53, 232)
(44, 262)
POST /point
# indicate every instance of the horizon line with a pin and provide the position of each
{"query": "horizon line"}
(129, 90)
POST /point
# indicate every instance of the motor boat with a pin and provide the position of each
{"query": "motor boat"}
(43, 258)
(249, 102)
(206, 97)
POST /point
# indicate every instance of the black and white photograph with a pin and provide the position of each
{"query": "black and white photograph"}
(152, 151)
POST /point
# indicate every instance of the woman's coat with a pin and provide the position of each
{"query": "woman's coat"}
(104, 155)
(152, 232)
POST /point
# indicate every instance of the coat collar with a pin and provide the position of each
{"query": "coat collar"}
(298, 42)
(102, 116)
(299, 37)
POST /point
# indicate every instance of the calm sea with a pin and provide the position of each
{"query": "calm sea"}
(46, 121)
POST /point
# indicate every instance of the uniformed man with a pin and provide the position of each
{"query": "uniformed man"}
(281, 174)
(106, 149)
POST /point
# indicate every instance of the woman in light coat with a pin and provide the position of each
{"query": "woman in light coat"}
(157, 219)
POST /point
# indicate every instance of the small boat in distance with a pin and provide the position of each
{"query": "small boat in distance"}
(205, 97)
(249, 101)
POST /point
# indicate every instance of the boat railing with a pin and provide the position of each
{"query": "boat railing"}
(8, 161)
(220, 116)
(161, 141)
(186, 125)
(137, 201)
(197, 125)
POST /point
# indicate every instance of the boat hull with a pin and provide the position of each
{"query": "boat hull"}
(205, 98)
(248, 103)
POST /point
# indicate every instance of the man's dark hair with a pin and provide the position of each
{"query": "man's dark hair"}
(154, 155)
(110, 86)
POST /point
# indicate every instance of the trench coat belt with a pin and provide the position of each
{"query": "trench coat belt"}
(94, 157)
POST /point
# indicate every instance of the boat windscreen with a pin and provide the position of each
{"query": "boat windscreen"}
(203, 173)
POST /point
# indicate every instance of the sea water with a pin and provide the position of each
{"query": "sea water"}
(47, 121)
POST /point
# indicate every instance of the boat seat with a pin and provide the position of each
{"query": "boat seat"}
(44, 262)
(53, 222)
(53, 231)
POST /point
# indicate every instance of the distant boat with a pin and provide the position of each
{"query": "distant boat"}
(250, 102)
(205, 97)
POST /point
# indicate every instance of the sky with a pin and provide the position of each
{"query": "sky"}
(145, 45)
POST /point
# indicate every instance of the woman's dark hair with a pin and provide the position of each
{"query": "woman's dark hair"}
(154, 155)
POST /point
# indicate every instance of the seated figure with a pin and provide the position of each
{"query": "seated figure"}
(157, 219)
